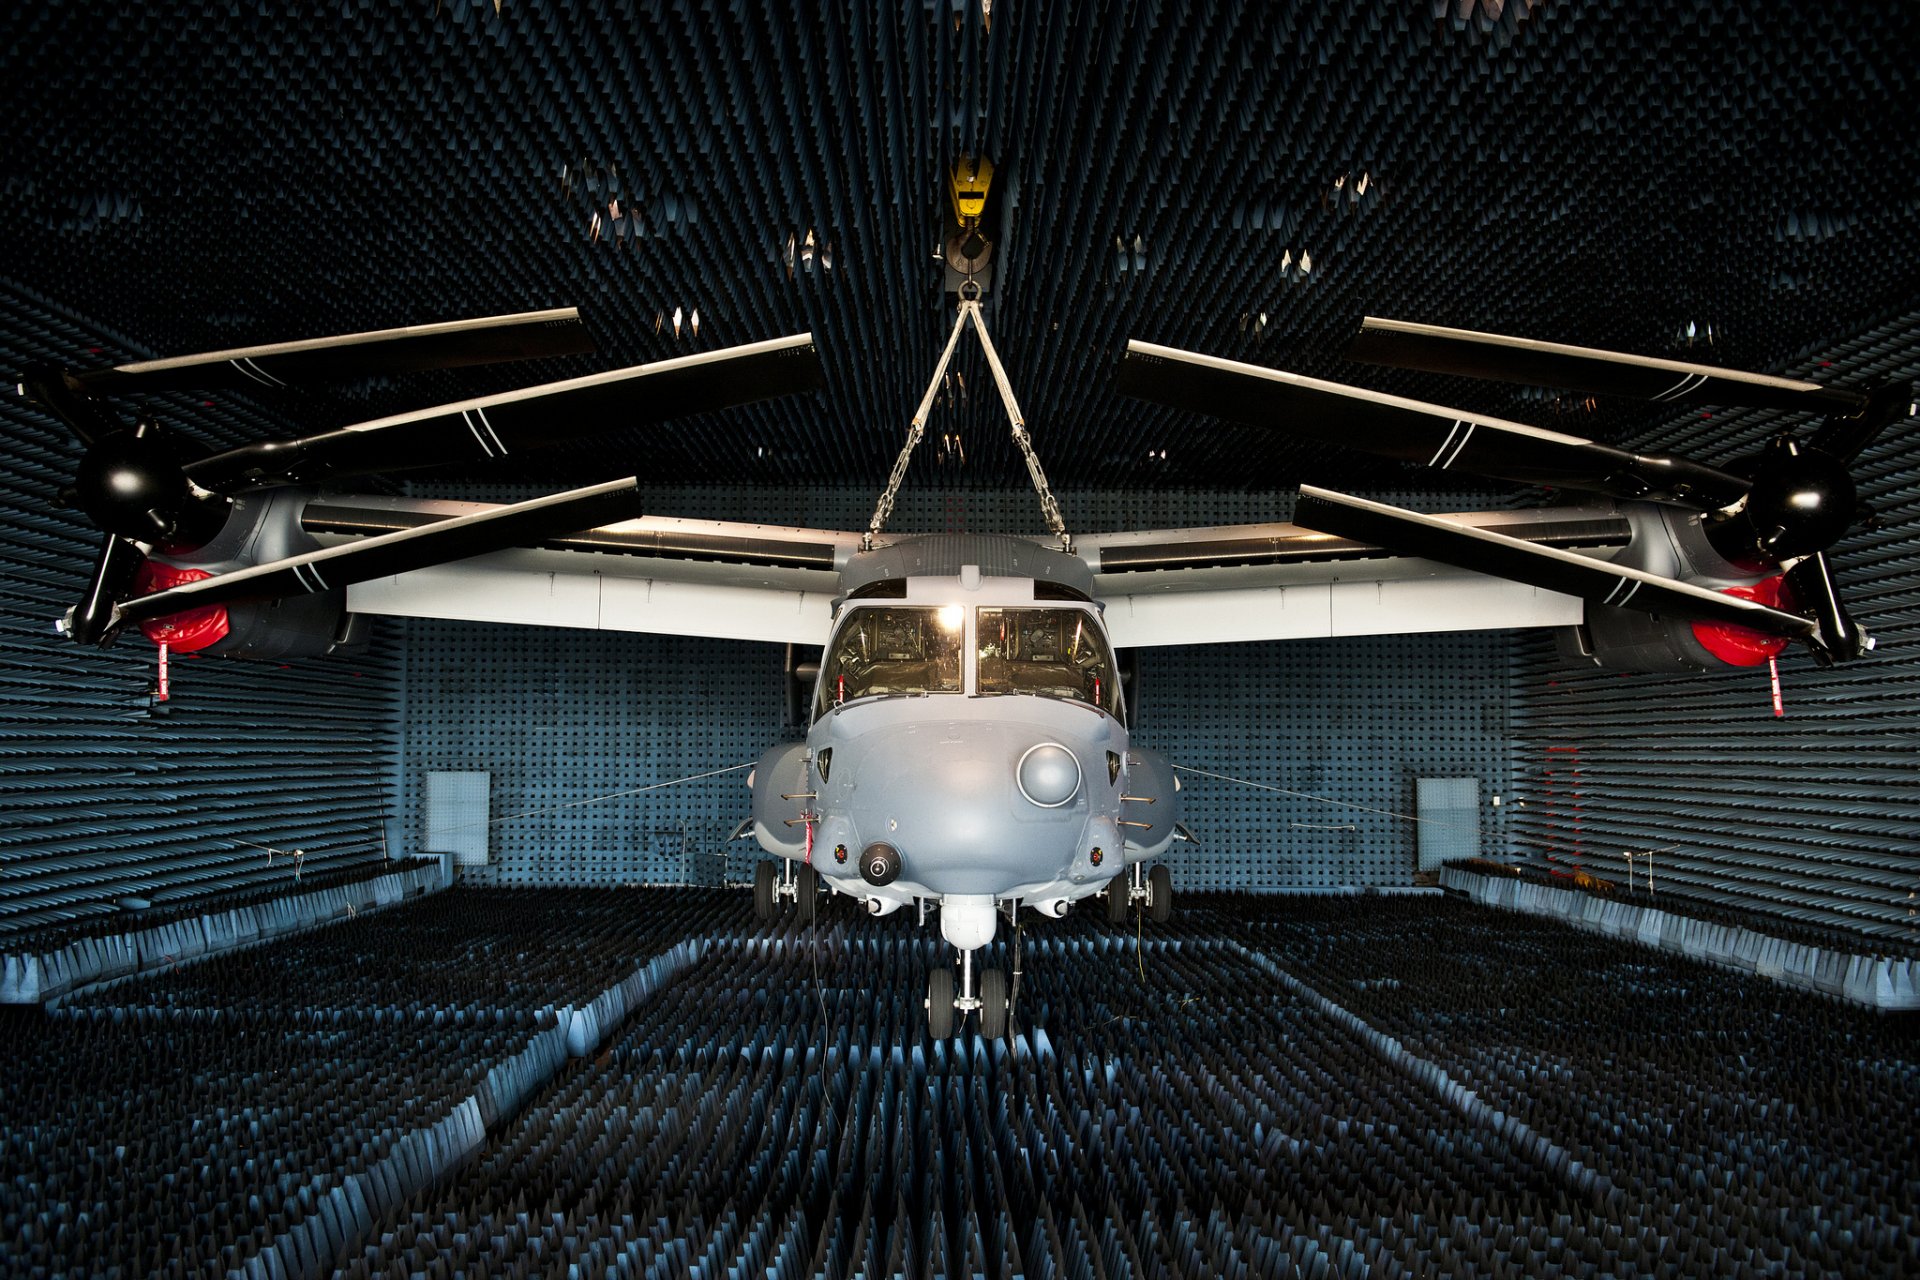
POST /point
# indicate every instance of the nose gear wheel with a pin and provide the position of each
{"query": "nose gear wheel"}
(800, 885)
(940, 1003)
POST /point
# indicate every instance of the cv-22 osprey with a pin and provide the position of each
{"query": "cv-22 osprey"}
(966, 745)
(968, 748)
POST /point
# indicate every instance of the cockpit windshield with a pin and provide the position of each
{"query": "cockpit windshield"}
(1054, 653)
(898, 650)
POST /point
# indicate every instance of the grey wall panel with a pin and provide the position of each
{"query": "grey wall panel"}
(1342, 729)
(568, 723)
(1814, 815)
(103, 796)
(1449, 814)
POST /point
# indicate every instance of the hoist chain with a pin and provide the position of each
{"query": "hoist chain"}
(1049, 507)
(884, 508)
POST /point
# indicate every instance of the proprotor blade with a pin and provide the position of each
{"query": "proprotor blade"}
(113, 570)
(525, 336)
(1846, 437)
(446, 540)
(1483, 551)
(60, 395)
(1405, 345)
(1415, 431)
(532, 417)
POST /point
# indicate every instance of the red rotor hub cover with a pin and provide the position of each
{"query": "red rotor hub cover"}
(189, 630)
(1740, 646)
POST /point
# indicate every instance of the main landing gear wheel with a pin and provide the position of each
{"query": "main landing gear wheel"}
(764, 887)
(1117, 893)
(1159, 894)
(993, 1004)
(940, 1003)
(806, 889)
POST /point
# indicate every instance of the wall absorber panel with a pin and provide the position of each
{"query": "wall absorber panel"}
(1448, 810)
(458, 819)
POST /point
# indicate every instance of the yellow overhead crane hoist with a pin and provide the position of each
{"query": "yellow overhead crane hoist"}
(967, 247)
(968, 183)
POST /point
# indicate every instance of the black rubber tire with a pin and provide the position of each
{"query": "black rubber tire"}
(764, 877)
(806, 893)
(993, 1003)
(1159, 894)
(1117, 898)
(940, 1003)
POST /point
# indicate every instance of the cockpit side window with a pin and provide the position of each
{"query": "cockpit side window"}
(892, 651)
(1054, 653)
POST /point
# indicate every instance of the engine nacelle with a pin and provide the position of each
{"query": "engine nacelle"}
(1674, 544)
(259, 528)
(1150, 797)
(1620, 639)
(782, 772)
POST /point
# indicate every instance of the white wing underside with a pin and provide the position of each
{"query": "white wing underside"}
(1174, 603)
(596, 591)
(1422, 597)
(526, 588)
(1300, 599)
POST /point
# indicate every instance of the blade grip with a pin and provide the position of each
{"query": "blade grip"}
(113, 570)
(61, 395)
(1811, 584)
(1846, 438)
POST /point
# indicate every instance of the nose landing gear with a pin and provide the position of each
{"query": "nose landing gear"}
(800, 885)
(1152, 886)
(990, 1000)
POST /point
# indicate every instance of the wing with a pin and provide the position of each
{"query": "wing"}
(653, 574)
(776, 583)
(1285, 581)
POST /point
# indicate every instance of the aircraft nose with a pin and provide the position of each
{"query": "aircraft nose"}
(1048, 774)
(968, 807)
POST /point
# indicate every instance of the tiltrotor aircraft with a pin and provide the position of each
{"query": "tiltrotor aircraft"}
(966, 747)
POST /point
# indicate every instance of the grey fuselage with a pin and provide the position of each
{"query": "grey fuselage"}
(967, 720)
